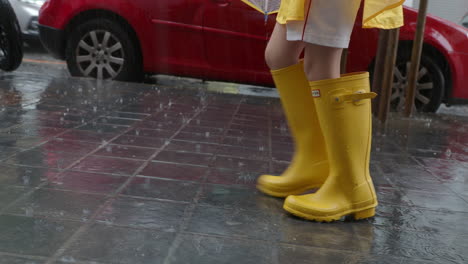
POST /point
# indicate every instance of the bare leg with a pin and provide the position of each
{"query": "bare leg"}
(280, 52)
(321, 62)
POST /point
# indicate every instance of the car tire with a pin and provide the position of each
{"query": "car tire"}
(11, 42)
(430, 86)
(103, 49)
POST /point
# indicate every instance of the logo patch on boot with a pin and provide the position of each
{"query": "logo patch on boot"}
(316, 93)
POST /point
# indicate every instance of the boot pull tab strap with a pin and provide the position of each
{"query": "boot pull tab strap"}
(354, 97)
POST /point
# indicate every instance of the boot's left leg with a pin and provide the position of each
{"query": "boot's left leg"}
(309, 166)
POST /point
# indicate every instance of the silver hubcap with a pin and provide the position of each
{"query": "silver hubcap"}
(100, 55)
(424, 85)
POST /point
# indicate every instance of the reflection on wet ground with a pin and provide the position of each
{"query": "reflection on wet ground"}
(106, 172)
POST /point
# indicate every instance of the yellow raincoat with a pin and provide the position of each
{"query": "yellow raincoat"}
(384, 14)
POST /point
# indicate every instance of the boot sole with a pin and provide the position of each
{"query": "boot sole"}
(357, 214)
(284, 194)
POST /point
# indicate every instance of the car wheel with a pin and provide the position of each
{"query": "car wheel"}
(102, 49)
(11, 43)
(429, 88)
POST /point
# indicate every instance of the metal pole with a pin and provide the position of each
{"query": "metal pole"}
(416, 58)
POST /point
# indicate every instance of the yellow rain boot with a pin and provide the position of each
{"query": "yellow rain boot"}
(344, 111)
(309, 168)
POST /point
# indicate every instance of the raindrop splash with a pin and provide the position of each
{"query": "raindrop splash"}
(448, 153)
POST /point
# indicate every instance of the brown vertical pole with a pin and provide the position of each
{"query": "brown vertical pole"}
(387, 76)
(378, 70)
(416, 58)
(344, 61)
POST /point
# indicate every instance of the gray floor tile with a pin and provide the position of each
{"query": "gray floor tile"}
(5, 259)
(239, 198)
(122, 245)
(375, 259)
(33, 236)
(219, 250)
(25, 176)
(87, 182)
(58, 204)
(9, 194)
(161, 189)
(437, 201)
(311, 255)
(415, 245)
(143, 213)
(233, 222)
(339, 236)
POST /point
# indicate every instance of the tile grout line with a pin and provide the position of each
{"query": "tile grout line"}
(273, 243)
(191, 207)
(116, 193)
(22, 256)
(270, 134)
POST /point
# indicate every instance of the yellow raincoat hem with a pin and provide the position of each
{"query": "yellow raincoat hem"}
(398, 20)
(284, 20)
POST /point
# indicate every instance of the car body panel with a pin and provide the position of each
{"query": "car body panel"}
(459, 75)
(235, 41)
(180, 20)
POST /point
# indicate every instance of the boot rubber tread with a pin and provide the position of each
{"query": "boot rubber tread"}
(358, 214)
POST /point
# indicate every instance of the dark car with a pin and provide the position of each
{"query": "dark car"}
(11, 42)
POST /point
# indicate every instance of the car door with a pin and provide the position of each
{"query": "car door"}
(235, 38)
(176, 35)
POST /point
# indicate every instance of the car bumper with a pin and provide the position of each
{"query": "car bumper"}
(31, 36)
(53, 40)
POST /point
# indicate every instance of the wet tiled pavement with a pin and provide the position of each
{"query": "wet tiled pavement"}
(105, 172)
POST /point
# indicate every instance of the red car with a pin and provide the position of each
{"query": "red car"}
(225, 40)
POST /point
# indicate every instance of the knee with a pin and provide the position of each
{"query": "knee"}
(271, 59)
(311, 67)
(318, 70)
(276, 59)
